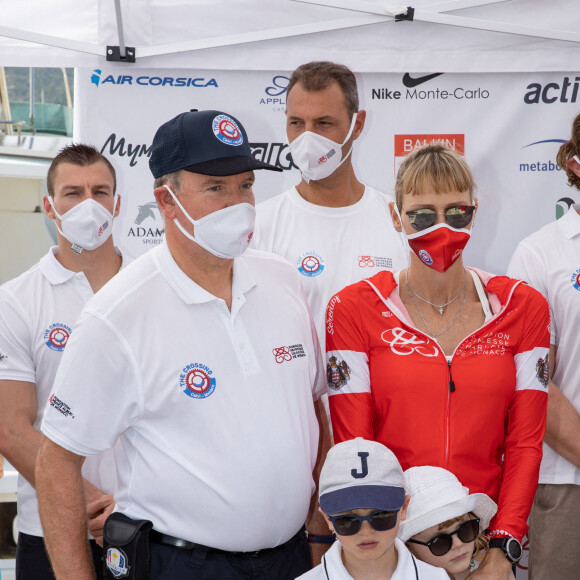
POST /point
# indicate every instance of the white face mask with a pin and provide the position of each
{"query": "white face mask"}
(87, 225)
(316, 156)
(225, 233)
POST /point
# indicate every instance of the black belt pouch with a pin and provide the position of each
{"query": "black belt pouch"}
(126, 548)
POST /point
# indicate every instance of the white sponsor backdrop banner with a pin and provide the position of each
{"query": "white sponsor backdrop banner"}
(509, 126)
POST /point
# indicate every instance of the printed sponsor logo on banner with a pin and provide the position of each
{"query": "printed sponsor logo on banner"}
(413, 93)
(150, 235)
(405, 144)
(563, 205)
(118, 146)
(536, 163)
(98, 79)
(277, 154)
(276, 93)
(564, 91)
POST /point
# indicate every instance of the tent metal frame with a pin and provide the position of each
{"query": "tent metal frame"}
(366, 13)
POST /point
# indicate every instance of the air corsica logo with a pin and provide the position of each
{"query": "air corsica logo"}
(56, 336)
(196, 381)
(97, 79)
(227, 130)
(117, 562)
(310, 264)
(337, 373)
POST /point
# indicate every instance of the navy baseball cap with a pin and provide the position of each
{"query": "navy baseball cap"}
(360, 474)
(206, 142)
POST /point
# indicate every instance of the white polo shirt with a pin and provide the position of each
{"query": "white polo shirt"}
(331, 247)
(332, 567)
(549, 260)
(213, 409)
(37, 312)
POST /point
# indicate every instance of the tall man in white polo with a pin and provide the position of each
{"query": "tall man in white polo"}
(37, 311)
(202, 358)
(334, 229)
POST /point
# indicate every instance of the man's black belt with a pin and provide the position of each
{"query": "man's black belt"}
(167, 540)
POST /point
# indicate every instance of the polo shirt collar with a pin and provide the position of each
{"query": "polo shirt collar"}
(56, 273)
(53, 270)
(570, 222)
(192, 293)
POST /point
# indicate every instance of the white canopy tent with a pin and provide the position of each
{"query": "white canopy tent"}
(450, 36)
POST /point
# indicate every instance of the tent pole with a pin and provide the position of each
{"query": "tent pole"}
(120, 28)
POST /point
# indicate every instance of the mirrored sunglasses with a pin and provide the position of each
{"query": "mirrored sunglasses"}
(457, 217)
(440, 544)
(348, 525)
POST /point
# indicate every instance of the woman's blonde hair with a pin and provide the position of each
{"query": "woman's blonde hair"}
(568, 150)
(433, 167)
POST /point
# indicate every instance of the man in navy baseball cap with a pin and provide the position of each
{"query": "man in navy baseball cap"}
(205, 142)
(207, 410)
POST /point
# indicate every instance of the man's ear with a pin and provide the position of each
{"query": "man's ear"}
(48, 211)
(359, 123)
(165, 201)
(574, 166)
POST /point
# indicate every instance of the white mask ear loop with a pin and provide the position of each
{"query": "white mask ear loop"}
(403, 236)
(350, 132)
(49, 197)
(176, 221)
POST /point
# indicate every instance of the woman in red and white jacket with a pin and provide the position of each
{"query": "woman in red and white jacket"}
(446, 365)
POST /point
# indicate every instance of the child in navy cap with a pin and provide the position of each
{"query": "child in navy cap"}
(362, 497)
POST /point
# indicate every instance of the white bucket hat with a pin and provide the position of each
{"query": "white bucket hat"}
(438, 496)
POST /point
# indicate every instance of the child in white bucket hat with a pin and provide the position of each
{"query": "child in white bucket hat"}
(445, 524)
(362, 497)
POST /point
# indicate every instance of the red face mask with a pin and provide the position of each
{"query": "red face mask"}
(439, 246)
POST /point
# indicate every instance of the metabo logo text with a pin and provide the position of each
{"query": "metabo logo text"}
(419, 94)
(544, 161)
(565, 91)
(98, 79)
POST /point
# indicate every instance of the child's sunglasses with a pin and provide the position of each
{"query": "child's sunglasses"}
(440, 544)
(457, 217)
(348, 525)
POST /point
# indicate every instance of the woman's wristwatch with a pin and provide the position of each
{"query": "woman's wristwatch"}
(510, 546)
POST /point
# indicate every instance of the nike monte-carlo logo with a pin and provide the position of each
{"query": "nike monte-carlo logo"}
(411, 82)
